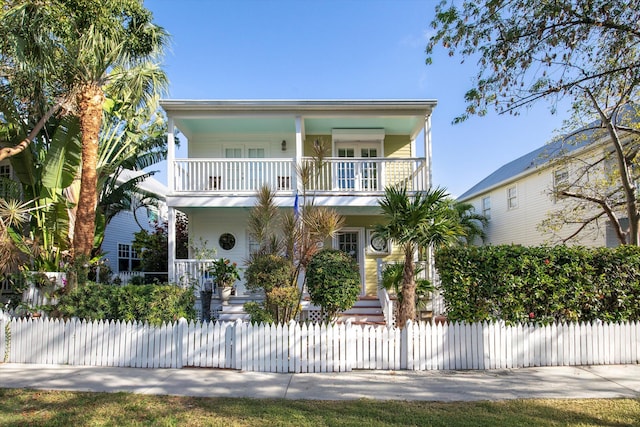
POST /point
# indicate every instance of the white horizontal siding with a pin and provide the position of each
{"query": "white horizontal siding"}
(521, 225)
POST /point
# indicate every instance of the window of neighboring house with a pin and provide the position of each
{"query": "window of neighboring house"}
(486, 207)
(127, 258)
(5, 173)
(560, 182)
(512, 197)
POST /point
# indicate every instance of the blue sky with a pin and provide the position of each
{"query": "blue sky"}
(349, 49)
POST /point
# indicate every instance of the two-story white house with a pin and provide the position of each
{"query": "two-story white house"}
(235, 147)
(521, 195)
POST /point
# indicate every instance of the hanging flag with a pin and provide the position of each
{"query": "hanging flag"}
(296, 208)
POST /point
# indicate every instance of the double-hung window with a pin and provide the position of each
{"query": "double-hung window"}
(512, 197)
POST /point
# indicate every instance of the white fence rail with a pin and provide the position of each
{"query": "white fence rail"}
(316, 348)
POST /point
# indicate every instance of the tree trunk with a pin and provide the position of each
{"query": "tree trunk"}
(90, 100)
(408, 307)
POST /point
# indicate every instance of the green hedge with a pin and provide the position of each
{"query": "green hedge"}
(147, 303)
(540, 284)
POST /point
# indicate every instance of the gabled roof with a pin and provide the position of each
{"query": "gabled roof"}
(149, 185)
(530, 162)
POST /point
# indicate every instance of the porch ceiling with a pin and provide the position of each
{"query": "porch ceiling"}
(397, 117)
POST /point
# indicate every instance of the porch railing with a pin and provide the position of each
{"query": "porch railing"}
(334, 175)
(192, 272)
(233, 175)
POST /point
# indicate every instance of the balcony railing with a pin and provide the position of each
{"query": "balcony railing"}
(334, 175)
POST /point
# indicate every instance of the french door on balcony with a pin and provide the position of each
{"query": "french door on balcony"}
(241, 175)
(357, 175)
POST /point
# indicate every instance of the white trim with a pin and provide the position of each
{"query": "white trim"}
(357, 135)
(370, 250)
(509, 207)
(361, 255)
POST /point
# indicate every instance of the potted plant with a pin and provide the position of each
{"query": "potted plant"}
(224, 274)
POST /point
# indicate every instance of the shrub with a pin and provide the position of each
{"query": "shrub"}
(540, 284)
(146, 303)
(273, 274)
(267, 271)
(333, 281)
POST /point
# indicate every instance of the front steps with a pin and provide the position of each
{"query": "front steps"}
(366, 311)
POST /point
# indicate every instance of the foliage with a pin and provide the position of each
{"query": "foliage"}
(272, 273)
(288, 237)
(258, 313)
(472, 223)
(147, 303)
(79, 51)
(153, 248)
(268, 271)
(540, 284)
(333, 281)
(415, 222)
(282, 303)
(392, 281)
(531, 50)
(224, 272)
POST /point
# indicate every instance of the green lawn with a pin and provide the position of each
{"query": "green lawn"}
(58, 408)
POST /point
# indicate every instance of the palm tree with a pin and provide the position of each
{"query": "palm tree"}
(94, 44)
(473, 223)
(413, 222)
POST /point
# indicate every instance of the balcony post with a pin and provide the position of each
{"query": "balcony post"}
(298, 161)
(427, 149)
(171, 155)
(171, 243)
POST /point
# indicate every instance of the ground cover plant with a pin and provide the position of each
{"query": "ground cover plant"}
(61, 408)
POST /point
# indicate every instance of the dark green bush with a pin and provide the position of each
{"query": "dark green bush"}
(540, 284)
(333, 281)
(146, 303)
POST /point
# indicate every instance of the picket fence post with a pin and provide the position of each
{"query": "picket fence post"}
(5, 339)
(180, 335)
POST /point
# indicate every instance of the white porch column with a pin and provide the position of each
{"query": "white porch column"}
(171, 155)
(427, 155)
(299, 149)
(171, 243)
(427, 150)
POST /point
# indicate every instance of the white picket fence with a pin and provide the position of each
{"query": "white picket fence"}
(316, 348)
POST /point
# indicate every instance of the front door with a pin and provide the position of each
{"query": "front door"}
(349, 240)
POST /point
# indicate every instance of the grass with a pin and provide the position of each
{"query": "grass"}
(59, 408)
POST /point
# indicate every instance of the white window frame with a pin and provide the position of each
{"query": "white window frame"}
(560, 178)
(370, 250)
(130, 256)
(512, 197)
(486, 207)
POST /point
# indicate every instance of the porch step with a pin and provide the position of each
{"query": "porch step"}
(366, 311)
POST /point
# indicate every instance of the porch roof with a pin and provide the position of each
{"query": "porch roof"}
(396, 116)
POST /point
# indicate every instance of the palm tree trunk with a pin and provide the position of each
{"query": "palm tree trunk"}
(408, 305)
(90, 100)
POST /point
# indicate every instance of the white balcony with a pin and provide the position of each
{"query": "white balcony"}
(335, 176)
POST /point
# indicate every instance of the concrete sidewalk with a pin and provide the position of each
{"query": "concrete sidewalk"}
(548, 382)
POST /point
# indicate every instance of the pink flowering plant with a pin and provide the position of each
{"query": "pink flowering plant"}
(224, 272)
